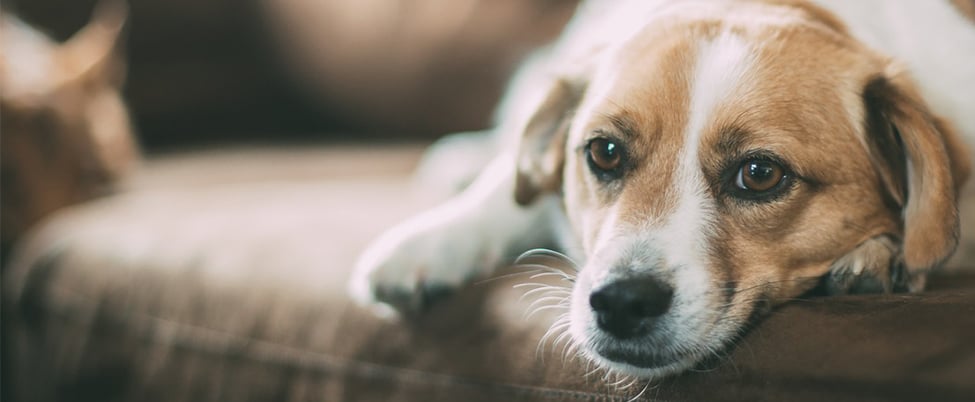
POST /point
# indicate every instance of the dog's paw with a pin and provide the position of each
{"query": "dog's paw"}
(416, 264)
(873, 267)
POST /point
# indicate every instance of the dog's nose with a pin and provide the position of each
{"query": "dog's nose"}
(627, 308)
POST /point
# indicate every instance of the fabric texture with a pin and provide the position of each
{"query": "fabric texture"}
(221, 276)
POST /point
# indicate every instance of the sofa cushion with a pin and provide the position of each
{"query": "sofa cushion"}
(221, 275)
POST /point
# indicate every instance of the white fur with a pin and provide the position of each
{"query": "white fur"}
(722, 69)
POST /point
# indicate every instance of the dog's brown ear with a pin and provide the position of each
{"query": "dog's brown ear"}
(541, 152)
(922, 163)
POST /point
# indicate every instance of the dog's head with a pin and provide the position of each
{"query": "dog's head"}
(723, 159)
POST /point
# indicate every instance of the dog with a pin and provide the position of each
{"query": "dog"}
(704, 161)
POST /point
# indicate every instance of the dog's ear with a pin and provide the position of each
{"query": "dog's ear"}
(541, 152)
(923, 165)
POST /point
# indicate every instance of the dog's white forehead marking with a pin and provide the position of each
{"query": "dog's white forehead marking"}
(722, 70)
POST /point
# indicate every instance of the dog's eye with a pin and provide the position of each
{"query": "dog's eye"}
(604, 156)
(759, 175)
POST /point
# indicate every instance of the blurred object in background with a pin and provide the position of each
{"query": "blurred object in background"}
(218, 71)
(65, 131)
(428, 66)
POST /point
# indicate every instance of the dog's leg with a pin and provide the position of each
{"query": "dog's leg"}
(447, 246)
(873, 267)
(452, 163)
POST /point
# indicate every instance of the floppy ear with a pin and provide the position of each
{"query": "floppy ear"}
(922, 163)
(541, 152)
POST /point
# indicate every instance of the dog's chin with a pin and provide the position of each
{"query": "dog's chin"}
(642, 364)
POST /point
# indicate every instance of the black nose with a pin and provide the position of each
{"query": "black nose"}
(627, 308)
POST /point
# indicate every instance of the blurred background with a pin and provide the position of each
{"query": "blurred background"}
(203, 71)
(91, 87)
(234, 137)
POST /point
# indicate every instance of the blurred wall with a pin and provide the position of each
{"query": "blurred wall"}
(228, 70)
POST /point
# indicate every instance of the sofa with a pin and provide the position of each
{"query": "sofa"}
(219, 274)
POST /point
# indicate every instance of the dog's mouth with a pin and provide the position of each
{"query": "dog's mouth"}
(641, 359)
(650, 358)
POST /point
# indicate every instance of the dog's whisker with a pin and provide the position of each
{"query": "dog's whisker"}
(547, 285)
(618, 380)
(549, 254)
(547, 274)
(548, 334)
(545, 292)
(561, 293)
(573, 350)
(565, 337)
(643, 391)
(541, 287)
(500, 277)
(541, 309)
(525, 284)
(536, 288)
(592, 370)
(546, 299)
(541, 290)
(631, 384)
(548, 268)
(535, 308)
(540, 347)
(544, 302)
(558, 327)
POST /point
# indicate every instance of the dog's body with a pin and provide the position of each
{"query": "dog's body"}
(702, 160)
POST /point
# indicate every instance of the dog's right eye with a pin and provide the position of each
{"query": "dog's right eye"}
(605, 158)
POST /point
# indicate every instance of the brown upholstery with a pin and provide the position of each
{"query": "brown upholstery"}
(221, 276)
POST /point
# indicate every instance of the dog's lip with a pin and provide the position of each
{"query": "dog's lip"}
(640, 360)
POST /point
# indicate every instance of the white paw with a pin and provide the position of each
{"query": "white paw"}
(873, 267)
(418, 262)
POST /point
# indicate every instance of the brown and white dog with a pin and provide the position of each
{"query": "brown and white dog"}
(703, 160)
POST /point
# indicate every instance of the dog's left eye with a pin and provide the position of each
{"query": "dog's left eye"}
(605, 157)
(759, 175)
